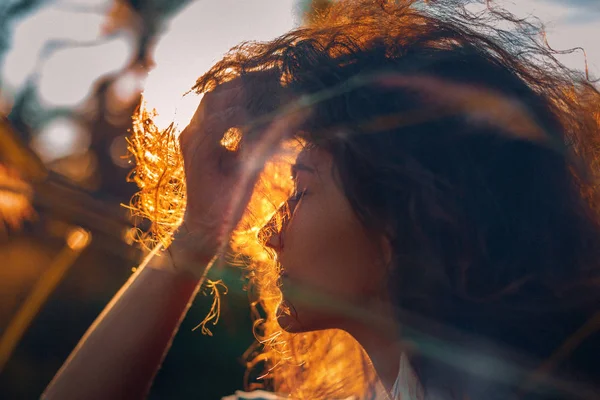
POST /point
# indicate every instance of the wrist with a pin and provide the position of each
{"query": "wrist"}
(182, 258)
(191, 246)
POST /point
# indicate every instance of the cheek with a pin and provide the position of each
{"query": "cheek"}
(327, 250)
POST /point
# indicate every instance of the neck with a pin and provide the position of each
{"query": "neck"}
(380, 337)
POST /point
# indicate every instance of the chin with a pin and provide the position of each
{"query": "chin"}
(308, 323)
(290, 324)
(288, 318)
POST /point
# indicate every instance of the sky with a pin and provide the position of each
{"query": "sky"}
(231, 21)
(197, 36)
(569, 23)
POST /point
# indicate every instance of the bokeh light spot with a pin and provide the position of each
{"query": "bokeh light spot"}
(78, 238)
(60, 138)
(118, 152)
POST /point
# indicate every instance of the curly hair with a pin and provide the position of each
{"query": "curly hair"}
(457, 134)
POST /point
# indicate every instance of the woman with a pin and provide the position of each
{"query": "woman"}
(444, 215)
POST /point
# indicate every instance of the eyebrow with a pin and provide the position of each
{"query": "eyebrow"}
(301, 167)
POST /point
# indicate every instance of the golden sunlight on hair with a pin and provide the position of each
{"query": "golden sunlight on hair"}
(327, 362)
(323, 364)
(160, 176)
(231, 139)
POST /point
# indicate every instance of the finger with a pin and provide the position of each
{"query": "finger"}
(204, 137)
(188, 132)
(253, 161)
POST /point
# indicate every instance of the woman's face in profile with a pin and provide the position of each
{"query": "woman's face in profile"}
(330, 262)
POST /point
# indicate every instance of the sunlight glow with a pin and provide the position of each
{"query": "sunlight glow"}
(78, 238)
(15, 199)
(196, 38)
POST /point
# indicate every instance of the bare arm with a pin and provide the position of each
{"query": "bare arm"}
(121, 352)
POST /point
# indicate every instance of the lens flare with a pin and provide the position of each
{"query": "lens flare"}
(15, 199)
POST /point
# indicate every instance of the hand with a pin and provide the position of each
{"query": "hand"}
(219, 180)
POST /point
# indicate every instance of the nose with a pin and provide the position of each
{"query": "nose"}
(270, 235)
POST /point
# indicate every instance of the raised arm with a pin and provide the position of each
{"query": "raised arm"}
(122, 351)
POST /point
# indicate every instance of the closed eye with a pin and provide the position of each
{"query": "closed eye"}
(297, 196)
(301, 167)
